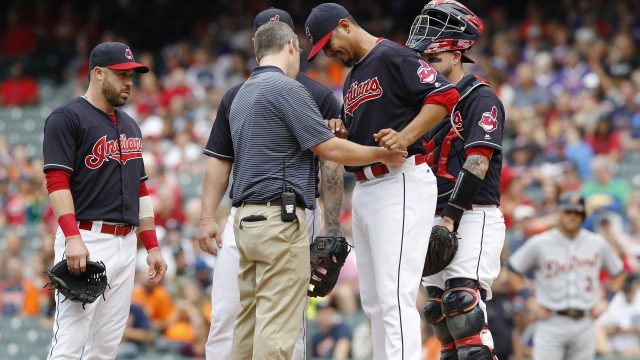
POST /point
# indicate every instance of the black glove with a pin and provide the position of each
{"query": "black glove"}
(443, 245)
(328, 254)
(84, 288)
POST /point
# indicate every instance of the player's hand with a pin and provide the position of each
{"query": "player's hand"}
(539, 312)
(393, 157)
(337, 127)
(77, 254)
(391, 139)
(446, 222)
(209, 230)
(599, 309)
(157, 266)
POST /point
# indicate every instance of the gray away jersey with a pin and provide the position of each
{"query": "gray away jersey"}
(566, 270)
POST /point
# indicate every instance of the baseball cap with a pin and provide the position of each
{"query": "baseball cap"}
(272, 15)
(571, 201)
(320, 24)
(114, 56)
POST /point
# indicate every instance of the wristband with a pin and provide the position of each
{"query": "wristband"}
(69, 225)
(525, 293)
(148, 239)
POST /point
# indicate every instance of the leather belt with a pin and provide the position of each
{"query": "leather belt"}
(274, 202)
(381, 169)
(575, 314)
(112, 229)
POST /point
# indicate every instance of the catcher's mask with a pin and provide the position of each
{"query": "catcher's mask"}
(445, 25)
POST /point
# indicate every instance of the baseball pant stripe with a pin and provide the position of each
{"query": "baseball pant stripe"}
(404, 209)
(55, 334)
(484, 218)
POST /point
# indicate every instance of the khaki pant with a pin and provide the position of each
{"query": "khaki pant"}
(273, 282)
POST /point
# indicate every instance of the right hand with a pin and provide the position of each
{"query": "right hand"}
(209, 229)
(393, 157)
(538, 311)
(77, 254)
(338, 128)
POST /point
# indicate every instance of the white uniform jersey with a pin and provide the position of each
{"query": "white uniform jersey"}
(566, 270)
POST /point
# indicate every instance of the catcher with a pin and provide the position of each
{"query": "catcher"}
(96, 183)
(465, 153)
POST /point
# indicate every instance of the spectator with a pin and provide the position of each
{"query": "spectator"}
(157, 303)
(18, 295)
(529, 96)
(604, 181)
(137, 334)
(622, 321)
(333, 341)
(18, 38)
(18, 89)
(606, 140)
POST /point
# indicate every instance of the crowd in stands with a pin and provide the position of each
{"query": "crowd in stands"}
(567, 71)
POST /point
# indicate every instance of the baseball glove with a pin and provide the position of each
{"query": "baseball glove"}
(443, 245)
(328, 254)
(84, 288)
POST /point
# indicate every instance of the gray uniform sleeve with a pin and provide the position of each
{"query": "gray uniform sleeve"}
(610, 260)
(302, 117)
(526, 257)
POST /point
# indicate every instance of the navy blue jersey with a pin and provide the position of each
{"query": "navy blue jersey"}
(220, 145)
(387, 89)
(477, 120)
(105, 161)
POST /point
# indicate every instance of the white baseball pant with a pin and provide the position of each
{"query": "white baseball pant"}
(95, 331)
(225, 296)
(392, 217)
(481, 233)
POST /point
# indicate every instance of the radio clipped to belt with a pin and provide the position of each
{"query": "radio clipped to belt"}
(288, 200)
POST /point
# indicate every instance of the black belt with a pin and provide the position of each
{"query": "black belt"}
(575, 314)
(274, 202)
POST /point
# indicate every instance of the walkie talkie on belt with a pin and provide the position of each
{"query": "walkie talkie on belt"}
(287, 200)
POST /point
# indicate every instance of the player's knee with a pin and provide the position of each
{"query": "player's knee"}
(460, 306)
(433, 306)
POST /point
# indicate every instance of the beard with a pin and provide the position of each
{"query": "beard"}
(112, 94)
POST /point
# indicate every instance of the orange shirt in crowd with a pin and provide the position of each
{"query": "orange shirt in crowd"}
(180, 331)
(26, 294)
(157, 302)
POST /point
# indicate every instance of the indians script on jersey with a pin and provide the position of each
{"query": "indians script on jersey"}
(361, 92)
(104, 149)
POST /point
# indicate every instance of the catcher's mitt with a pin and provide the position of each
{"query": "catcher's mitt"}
(443, 245)
(84, 288)
(328, 254)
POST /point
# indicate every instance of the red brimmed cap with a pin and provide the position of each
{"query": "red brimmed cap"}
(320, 24)
(115, 56)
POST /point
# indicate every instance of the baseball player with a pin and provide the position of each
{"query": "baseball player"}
(95, 178)
(567, 261)
(465, 153)
(392, 97)
(225, 297)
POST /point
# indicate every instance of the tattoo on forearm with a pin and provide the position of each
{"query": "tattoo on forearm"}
(332, 192)
(478, 165)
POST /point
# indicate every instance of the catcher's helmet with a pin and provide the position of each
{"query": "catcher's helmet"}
(572, 201)
(445, 25)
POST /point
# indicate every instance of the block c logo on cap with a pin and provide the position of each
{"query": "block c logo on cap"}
(128, 54)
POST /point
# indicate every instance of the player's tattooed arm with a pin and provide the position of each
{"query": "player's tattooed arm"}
(332, 192)
(478, 165)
